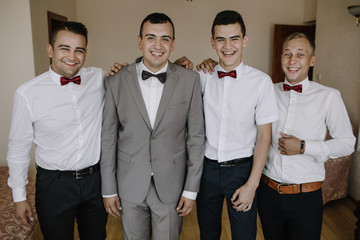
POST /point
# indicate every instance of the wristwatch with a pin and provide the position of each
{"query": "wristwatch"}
(302, 147)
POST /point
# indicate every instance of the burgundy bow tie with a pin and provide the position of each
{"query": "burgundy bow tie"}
(297, 88)
(64, 80)
(230, 74)
(161, 76)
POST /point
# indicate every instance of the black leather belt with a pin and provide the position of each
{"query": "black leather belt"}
(231, 163)
(77, 174)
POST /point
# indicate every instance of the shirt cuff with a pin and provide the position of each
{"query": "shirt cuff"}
(317, 149)
(19, 194)
(109, 196)
(190, 195)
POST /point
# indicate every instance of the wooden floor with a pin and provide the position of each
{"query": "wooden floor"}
(339, 224)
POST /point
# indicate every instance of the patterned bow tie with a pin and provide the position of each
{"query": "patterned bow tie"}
(230, 74)
(297, 88)
(161, 76)
(64, 80)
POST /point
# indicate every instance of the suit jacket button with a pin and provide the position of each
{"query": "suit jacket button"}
(150, 160)
(152, 138)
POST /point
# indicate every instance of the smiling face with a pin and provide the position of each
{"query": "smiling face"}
(68, 53)
(296, 59)
(228, 42)
(156, 44)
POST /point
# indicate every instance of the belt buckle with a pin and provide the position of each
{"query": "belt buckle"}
(278, 187)
(227, 165)
(223, 164)
(88, 171)
(78, 174)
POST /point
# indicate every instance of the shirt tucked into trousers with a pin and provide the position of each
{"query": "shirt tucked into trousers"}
(308, 116)
(64, 122)
(233, 108)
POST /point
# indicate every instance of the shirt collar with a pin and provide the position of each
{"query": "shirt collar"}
(305, 84)
(56, 77)
(239, 69)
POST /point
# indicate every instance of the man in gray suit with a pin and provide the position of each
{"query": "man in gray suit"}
(152, 138)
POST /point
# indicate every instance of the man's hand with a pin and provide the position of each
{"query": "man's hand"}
(185, 206)
(289, 145)
(184, 62)
(24, 213)
(207, 66)
(243, 197)
(114, 69)
(112, 205)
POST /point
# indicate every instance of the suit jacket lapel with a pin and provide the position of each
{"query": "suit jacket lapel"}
(133, 83)
(169, 87)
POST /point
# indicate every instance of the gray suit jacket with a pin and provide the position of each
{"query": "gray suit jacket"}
(173, 150)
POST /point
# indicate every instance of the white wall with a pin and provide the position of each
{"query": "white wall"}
(114, 25)
(310, 10)
(16, 61)
(338, 63)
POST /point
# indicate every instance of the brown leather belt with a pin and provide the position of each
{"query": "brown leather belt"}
(282, 188)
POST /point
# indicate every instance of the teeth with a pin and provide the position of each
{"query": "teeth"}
(293, 69)
(229, 53)
(156, 53)
(70, 63)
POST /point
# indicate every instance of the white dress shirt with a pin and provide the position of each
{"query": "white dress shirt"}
(233, 108)
(151, 90)
(308, 116)
(64, 123)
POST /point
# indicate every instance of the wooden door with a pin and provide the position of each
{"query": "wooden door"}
(280, 33)
(54, 20)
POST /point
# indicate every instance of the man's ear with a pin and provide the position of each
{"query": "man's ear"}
(246, 40)
(49, 50)
(173, 45)
(212, 41)
(139, 42)
(312, 61)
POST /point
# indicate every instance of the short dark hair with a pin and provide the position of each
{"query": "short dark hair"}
(74, 27)
(298, 35)
(156, 18)
(228, 17)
